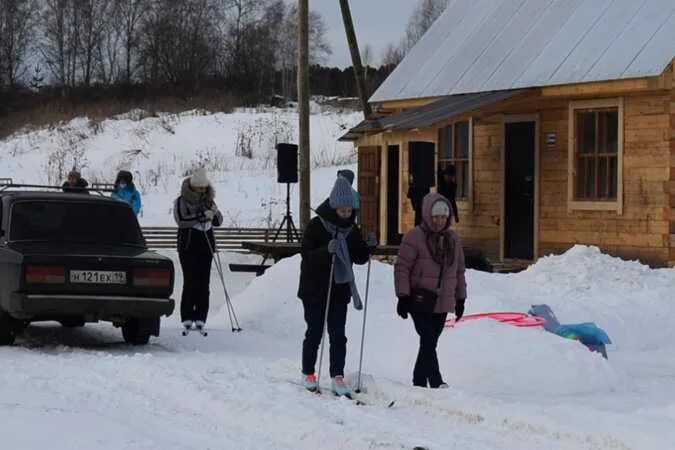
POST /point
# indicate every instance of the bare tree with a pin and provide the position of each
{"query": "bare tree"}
(17, 24)
(109, 49)
(178, 41)
(393, 54)
(287, 53)
(421, 19)
(59, 48)
(95, 15)
(131, 14)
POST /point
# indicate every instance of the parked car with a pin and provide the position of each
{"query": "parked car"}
(75, 259)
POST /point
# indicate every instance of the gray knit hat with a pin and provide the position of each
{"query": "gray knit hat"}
(341, 195)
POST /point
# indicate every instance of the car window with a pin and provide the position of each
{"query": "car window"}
(77, 222)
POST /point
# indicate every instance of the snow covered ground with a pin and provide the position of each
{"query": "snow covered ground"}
(237, 149)
(511, 388)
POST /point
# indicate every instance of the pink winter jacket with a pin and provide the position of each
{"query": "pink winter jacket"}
(415, 267)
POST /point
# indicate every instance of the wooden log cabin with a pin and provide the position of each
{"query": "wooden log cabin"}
(558, 117)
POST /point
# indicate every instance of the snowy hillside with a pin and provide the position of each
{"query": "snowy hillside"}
(511, 388)
(237, 149)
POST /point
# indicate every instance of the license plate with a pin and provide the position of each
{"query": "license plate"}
(98, 277)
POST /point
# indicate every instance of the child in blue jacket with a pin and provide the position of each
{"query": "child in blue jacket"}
(126, 191)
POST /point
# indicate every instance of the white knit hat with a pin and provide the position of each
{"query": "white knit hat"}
(199, 179)
(439, 209)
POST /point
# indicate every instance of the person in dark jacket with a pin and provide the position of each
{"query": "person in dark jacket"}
(196, 213)
(448, 189)
(416, 193)
(431, 259)
(126, 191)
(75, 183)
(330, 236)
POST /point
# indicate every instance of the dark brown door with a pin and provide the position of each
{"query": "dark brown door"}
(519, 148)
(369, 171)
(393, 197)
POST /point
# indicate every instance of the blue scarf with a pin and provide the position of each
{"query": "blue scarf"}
(343, 272)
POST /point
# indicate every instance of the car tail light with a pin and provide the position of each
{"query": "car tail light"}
(152, 277)
(45, 275)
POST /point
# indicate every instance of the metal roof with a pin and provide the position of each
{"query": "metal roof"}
(491, 45)
(431, 114)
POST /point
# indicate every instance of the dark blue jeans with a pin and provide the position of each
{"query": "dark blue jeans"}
(429, 327)
(314, 316)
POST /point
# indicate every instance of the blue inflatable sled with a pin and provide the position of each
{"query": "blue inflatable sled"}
(587, 333)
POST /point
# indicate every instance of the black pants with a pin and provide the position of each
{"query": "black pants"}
(314, 317)
(195, 261)
(429, 327)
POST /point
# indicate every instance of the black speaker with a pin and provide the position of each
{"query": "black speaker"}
(421, 159)
(287, 163)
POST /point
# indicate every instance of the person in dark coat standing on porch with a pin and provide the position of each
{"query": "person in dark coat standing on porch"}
(330, 236)
(431, 259)
(196, 213)
(448, 189)
(416, 193)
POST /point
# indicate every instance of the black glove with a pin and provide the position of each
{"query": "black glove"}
(402, 307)
(459, 308)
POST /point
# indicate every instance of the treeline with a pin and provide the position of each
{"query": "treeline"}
(84, 50)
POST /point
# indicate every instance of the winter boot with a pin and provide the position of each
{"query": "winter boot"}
(339, 387)
(199, 324)
(188, 324)
(310, 382)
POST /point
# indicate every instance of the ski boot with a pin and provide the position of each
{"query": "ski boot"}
(340, 388)
(310, 383)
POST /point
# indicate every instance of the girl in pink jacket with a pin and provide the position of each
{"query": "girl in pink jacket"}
(430, 283)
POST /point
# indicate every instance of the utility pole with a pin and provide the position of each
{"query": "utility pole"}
(356, 58)
(303, 110)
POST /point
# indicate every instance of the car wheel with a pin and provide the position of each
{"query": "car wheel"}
(7, 329)
(138, 331)
(72, 323)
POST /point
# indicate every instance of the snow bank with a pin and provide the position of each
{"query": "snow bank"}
(632, 302)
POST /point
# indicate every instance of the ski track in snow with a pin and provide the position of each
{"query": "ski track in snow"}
(83, 388)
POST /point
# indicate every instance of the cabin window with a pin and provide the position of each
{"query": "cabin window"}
(454, 143)
(597, 154)
(595, 147)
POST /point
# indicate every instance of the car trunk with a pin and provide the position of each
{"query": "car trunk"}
(85, 246)
(93, 269)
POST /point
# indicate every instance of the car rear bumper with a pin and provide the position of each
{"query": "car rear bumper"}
(25, 306)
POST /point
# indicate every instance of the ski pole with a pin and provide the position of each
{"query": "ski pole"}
(219, 266)
(363, 329)
(234, 322)
(325, 320)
